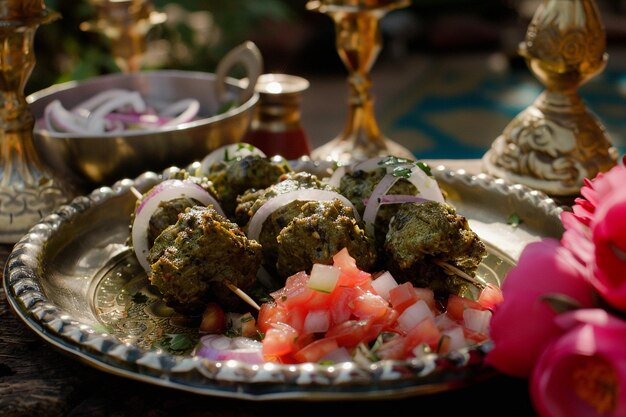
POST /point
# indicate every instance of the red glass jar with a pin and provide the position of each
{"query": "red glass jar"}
(276, 128)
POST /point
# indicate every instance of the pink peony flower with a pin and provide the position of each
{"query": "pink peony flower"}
(608, 229)
(582, 373)
(524, 323)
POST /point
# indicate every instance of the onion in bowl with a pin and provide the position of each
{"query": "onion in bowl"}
(164, 191)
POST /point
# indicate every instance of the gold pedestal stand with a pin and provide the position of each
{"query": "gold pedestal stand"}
(28, 191)
(125, 23)
(555, 143)
(358, 42)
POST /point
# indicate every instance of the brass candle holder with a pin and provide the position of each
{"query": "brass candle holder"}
(125, 23)
(28, 190)
(555, 143)
(358, 42)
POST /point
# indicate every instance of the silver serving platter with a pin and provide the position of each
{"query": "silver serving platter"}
(72, 279)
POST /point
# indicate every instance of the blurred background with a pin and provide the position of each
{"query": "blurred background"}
(463, 52)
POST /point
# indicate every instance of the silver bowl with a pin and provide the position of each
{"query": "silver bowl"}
(100, 160)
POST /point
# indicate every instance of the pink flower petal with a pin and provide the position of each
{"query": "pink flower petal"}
(523, 324)
(564, 380)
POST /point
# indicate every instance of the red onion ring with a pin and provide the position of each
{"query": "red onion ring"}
(219, 347)
(59, 119)
(164, 191)
(256, 222)
(185, 110)
(96, 122)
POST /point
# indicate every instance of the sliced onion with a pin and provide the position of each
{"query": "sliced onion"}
(256, 222)
(96, 119)
(229, 153)
(373, 204)
(59, 119)
(86, 107)
(184, 111)
(335, 178)
(165, 191)
(219, 347)
(398, 199)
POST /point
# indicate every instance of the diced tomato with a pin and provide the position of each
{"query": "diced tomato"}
(316, 350)
(402, 296)
(318, 300)
(425, 332)
(473, 336)
(351, 275)
(269, 314)
(295, 317)
(490, 297)
(294, 292)
(341, 304)
(279, 340)
(213, 319)
(428, 295)
(352, 332)
(457, 304)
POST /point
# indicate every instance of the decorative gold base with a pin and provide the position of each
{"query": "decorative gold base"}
(553, 145)
(343, 151)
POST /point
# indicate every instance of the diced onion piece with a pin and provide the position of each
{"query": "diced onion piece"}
(229, 153)
(383, 284)
(457, 337)
(323, 278)
(316, 321)
(412, 315)
(256, 222)
(164, 191)
(477, 320)
(222, 348)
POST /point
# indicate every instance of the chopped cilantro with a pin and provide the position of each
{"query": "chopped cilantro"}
(176, 342)
(514, 220)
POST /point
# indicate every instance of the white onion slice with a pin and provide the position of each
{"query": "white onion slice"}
(374, 201)
(96, 120)
(86, 107)
(165, 191)
(182, 111)
(256, 222)
(228, 153)
(219, 347)
(59, 119)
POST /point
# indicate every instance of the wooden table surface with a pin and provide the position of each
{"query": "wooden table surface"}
(38, 380)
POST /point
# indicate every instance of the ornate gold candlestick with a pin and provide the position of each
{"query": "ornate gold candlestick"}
(27, 190)
(358, 42)
(557, 142)
(126, 23)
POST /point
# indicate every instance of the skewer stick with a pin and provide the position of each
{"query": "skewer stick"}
(136, 192)
(478, 282)
(245, 297)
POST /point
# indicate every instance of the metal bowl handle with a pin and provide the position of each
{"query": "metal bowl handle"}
(250, 56)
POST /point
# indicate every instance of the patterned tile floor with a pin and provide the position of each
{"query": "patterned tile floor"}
(455, 106)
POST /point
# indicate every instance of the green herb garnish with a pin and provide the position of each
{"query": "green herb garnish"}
(514, 220)
(176, 342)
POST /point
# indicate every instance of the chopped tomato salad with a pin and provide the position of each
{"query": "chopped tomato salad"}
(340, 313)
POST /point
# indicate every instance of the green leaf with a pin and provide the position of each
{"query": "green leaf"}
(561, 303)
(176, 342)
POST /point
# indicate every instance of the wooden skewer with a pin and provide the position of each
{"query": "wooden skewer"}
(136, 192)
(456, 271)
(245, 297)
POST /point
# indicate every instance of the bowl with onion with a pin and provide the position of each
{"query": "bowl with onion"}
(96, 131)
